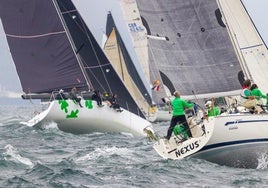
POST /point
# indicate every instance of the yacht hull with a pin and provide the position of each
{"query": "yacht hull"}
(238, 140)
(72, 118)
(176, 148)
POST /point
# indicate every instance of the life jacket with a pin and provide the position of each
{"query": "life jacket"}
(243, 97)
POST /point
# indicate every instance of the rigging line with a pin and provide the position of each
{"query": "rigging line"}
(84, 30)
(95, 53)
(259, 43)
(155, 73)
(97, 80)
(234, 42)
(68, 34)
(238, 23)
(82, 59)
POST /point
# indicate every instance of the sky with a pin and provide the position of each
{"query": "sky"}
(9, 81)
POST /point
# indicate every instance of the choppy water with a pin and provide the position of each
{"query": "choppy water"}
(51, 158)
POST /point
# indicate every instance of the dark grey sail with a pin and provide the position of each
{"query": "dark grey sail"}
(190, 46)
(40, 48)
(101, 74)
(53, 49)
(110, 24)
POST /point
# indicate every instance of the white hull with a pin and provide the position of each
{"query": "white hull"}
(238, 140)
(175, 149)
(88, 120)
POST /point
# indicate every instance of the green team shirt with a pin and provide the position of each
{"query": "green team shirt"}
(178, 106)
(258, 94)
(214, 111)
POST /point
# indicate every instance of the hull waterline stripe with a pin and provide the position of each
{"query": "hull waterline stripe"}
(248, 121)
(219, 145)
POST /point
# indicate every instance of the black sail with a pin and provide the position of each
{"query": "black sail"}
(53, 49)
(110, 24)
(40, 48)
(190, 46)
(101, 74)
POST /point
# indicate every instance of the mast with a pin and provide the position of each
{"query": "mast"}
(72, 44)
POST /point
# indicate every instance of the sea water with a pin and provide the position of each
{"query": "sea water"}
(31, 157)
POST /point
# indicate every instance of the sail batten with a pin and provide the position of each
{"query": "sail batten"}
(190, 47)
(43, 57)
(48, 61)
(250, 47)
(99, 70)
(35, 36)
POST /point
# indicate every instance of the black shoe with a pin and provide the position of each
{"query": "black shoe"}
(100, 105)
(165, 137)
(119, 110)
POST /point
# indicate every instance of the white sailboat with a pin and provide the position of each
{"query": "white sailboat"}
(212, 62)
(57, 52)
(139, 36)
(118, 55)
(251, 50)
(243, 135)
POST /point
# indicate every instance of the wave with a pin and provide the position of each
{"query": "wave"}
(105, 152)
(12, 154)
(262, 160)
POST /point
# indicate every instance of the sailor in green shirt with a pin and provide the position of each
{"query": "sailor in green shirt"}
(212, 110)
(178, 105)
(255, 91)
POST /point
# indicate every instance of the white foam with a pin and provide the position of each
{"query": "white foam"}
(50, 125)
(13, 155)
(105, 152)
(262, 160)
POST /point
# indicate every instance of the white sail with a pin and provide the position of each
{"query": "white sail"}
(216, 46)
(246, 39)
(114, 54)
(138, 33)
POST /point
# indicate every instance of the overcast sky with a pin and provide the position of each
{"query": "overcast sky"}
(9, 81)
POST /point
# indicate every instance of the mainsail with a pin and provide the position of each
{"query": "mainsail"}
(139, 36)
(191, 48)
(40, 48)
(53, 49)
(137, 31)
(116, 51)
(250, 47)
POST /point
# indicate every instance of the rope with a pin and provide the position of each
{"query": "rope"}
(84, 30)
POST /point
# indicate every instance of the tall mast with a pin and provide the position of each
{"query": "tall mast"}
(72, 44)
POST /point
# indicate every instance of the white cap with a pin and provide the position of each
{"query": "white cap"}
(208, 103)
